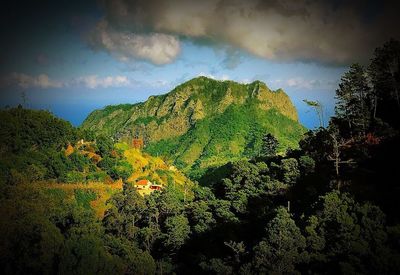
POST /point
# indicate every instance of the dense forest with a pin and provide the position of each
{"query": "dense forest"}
(329, 206)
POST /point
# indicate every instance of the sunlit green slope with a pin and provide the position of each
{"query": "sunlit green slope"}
(203, 122)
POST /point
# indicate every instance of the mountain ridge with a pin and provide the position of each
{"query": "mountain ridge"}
(193, 112)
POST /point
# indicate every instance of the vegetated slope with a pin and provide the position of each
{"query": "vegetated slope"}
(35, 145)
(123, 164)
(31, 142)
(204, 122)
(152, 168)
(94, 194)
(23, 130)
(43, 152)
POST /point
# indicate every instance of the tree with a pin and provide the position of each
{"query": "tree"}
(104, 145)
(126, 212)
(223, 212)
(319, 109)
(85, 254)
(29, 241)
(317, 144)
(290, 170)
(353, 100)
(200, 216)
(282, 248)
(345, 236)
(78, 161)
(269, 145)
(135, 261)
(107, 164)
(307, 164)
(177, 231)
(384, 71)
(338, 146)
(216, 266)
(122, 170)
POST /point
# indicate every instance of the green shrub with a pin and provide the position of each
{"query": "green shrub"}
(17, 177)
(56, 193)
(307, 164)
(290, 170)
(36, 172)
(97, 176)
(84, 197)
(78, 161)
(75, 177)
(122, 170)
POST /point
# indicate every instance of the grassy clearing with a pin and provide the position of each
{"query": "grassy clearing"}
(88, 195)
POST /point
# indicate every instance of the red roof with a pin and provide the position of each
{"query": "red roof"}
(142, 182)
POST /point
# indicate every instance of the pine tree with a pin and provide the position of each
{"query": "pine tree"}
(384, 71)
(353, 100)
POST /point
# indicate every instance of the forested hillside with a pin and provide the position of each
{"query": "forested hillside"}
(330, 206)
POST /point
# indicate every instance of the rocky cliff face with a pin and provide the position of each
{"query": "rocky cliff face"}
(196, 114)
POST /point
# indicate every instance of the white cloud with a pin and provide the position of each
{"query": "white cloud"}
(159, 83)
(245, 81)
(157, 48)
(43, 81)
(299, 82)
(302, 83)
(94, 81)
(216, 77)
(27, 81)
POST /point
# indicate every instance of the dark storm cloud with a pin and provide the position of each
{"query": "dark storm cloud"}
(330, 32)
(333, 32)
(33, 26)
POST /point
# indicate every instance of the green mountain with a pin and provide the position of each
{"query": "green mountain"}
(204, 122)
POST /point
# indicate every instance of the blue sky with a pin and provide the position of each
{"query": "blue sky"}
(88, 56)
(75, 101)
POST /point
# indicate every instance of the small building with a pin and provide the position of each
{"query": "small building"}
(146, 187)
(156, 186)
(143, 184)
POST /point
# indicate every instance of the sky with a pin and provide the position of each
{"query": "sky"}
(71, 57)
